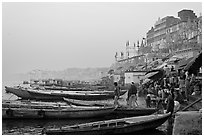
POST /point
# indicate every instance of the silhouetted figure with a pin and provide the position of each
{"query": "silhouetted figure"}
(117, 94)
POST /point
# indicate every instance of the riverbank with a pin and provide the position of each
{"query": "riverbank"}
(188, 123)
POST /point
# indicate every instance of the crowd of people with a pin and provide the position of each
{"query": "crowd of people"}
(179, 85)
(160, 93)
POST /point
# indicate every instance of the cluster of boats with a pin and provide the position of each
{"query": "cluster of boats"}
(42, 94)
(79, 104)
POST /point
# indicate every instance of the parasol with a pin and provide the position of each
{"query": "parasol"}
(149, 75)
(146, 81)
(155, 74)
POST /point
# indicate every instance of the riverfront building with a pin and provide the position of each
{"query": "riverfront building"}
(169, 37)
(170, 34)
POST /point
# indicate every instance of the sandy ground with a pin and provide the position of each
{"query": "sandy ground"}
(188, 123)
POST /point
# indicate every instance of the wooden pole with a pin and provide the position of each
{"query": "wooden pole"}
(198, 100)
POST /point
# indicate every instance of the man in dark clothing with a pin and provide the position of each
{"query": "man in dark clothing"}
(170, 108)
(117, 94)
(170, 103)
(132, 95)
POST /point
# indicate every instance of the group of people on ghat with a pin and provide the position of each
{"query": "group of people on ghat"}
(167, 93)
(177, 86)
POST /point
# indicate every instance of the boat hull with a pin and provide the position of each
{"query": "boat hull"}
(26, 113)
(94, 96)
(134, 112)
(112, 130)
(120, 111)
(26, 93)
(22, 93)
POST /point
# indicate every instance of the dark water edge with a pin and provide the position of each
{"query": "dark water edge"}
(34, 127)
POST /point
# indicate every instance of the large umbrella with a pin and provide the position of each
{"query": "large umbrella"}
(155, 74)
(146, 81)
(173, 60)
(182, 63)
(110, 71)
(149, 75)
(161, 66)
(194, 64)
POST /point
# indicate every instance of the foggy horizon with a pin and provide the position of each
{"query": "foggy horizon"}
(57, 36)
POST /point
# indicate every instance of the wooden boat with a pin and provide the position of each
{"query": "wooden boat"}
(18, 91)
(85, 102)
(40, 94)
(97, 95)
(58, 113)
(139, 111)
(66, 88)
(33, 104)
(114, 126)
(84, 95)
(119, 111)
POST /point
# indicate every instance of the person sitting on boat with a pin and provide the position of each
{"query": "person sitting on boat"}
(117, 94)
(132, 96)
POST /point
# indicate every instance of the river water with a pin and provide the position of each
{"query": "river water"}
(34, 127)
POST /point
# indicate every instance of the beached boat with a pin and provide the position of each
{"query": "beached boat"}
(114, 126)
(85, 102)
(66, 88)
(56, 112)
(97, 95)
(33, 104)
(18, 91)
(40, 94)
(138, 111)
(119, 111)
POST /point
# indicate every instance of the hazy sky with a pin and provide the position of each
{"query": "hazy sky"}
(56, 36)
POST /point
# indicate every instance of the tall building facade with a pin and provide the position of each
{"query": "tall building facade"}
(169, 30)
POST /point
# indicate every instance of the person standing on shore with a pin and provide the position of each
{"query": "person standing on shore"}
(170, 102)
(187, 87)
(182, 88)
(117, 94)
(132, 93)
(148, 101)
(170, 108)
